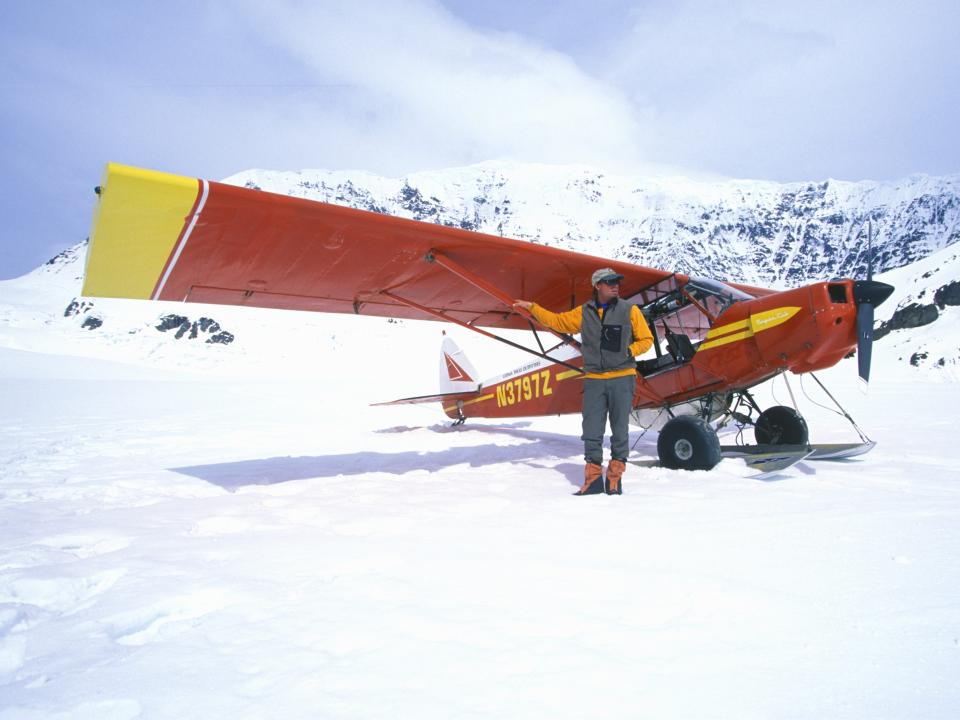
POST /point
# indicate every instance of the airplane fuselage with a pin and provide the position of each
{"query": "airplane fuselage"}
(801, 330)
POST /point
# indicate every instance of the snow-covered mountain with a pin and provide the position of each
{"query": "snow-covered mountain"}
(920, 324)
(761, 233)
(757, 232)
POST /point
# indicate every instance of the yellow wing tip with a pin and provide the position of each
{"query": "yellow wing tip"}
(138, 217)
(131, 172)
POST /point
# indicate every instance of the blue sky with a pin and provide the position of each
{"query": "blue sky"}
(767, 90)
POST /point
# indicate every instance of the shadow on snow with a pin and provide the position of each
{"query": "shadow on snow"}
(534, 453)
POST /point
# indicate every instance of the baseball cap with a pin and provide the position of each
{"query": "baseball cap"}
(605, 274)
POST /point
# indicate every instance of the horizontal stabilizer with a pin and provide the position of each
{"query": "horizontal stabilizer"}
(439, 397)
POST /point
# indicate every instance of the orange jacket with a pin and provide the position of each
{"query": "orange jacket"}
(571, 320)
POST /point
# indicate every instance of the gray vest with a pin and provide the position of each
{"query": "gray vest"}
(606, 343)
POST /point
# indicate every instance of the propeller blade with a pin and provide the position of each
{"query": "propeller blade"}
(867, 294)
(864, 340)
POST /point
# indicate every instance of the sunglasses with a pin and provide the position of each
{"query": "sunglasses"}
(615, 281)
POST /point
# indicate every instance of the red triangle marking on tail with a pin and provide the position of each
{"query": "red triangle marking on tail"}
(454, 371)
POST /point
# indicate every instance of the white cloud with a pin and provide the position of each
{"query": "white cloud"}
(425, 85)
(795, 91)
(740, 87)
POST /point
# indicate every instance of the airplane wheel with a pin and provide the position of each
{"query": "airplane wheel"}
(781, 425)
(688, 443)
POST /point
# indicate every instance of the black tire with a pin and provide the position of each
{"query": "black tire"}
(781, 425)
(688, 443)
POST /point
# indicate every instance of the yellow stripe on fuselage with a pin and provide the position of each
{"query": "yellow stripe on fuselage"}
(732, 327)
(752, 325)
(138, 219)
(725, 340)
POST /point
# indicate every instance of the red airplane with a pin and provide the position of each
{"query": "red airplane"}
(166, 237)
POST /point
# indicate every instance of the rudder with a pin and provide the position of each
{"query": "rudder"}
(457, 373)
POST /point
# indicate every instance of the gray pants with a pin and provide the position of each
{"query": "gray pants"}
(613, 397)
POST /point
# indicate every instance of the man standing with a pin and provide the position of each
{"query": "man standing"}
(612, 332)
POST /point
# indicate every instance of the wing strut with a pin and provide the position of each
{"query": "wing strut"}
(478, 282)
(446, 318)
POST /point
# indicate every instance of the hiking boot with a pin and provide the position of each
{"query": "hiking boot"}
(611, 483)
(592, 480)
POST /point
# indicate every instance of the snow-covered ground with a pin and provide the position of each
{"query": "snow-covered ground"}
(183, 547)
(204, 531)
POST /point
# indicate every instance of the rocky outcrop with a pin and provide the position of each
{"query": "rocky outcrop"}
(947, 295)
(82, 308)
(193, 329)
(913, 315)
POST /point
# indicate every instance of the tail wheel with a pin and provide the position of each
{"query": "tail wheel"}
(781, 425)
(687, 442)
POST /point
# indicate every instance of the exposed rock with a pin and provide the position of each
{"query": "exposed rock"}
(221, 338)
(208, 325)
(193, 329)
(912, 316)
(169, 322)
(947, 295)
(432, 210)
(183, 329)
(80, 308)
(69, 255)
(77, 307)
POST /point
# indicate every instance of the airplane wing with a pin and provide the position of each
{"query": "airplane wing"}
(166, 237)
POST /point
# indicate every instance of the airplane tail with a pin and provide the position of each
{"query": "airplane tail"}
(458, 381)
(457, 374)
(540, 387)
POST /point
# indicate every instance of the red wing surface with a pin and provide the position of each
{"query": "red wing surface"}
(168, 237)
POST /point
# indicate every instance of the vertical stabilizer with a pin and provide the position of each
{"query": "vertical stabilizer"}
(457, 373)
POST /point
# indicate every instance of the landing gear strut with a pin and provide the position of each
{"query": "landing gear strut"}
(782, 434)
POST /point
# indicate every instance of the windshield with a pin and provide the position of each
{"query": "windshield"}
(689, 309)
(714, 295)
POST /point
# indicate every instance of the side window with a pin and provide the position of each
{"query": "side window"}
(687, 320)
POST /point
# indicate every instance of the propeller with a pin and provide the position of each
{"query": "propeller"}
(867, 294)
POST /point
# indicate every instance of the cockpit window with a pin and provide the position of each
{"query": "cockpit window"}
(714, 295)
(689, 309)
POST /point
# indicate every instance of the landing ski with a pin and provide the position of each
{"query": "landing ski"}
(840, 451)
(768, 458)
(766, 462)
(771, 459)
